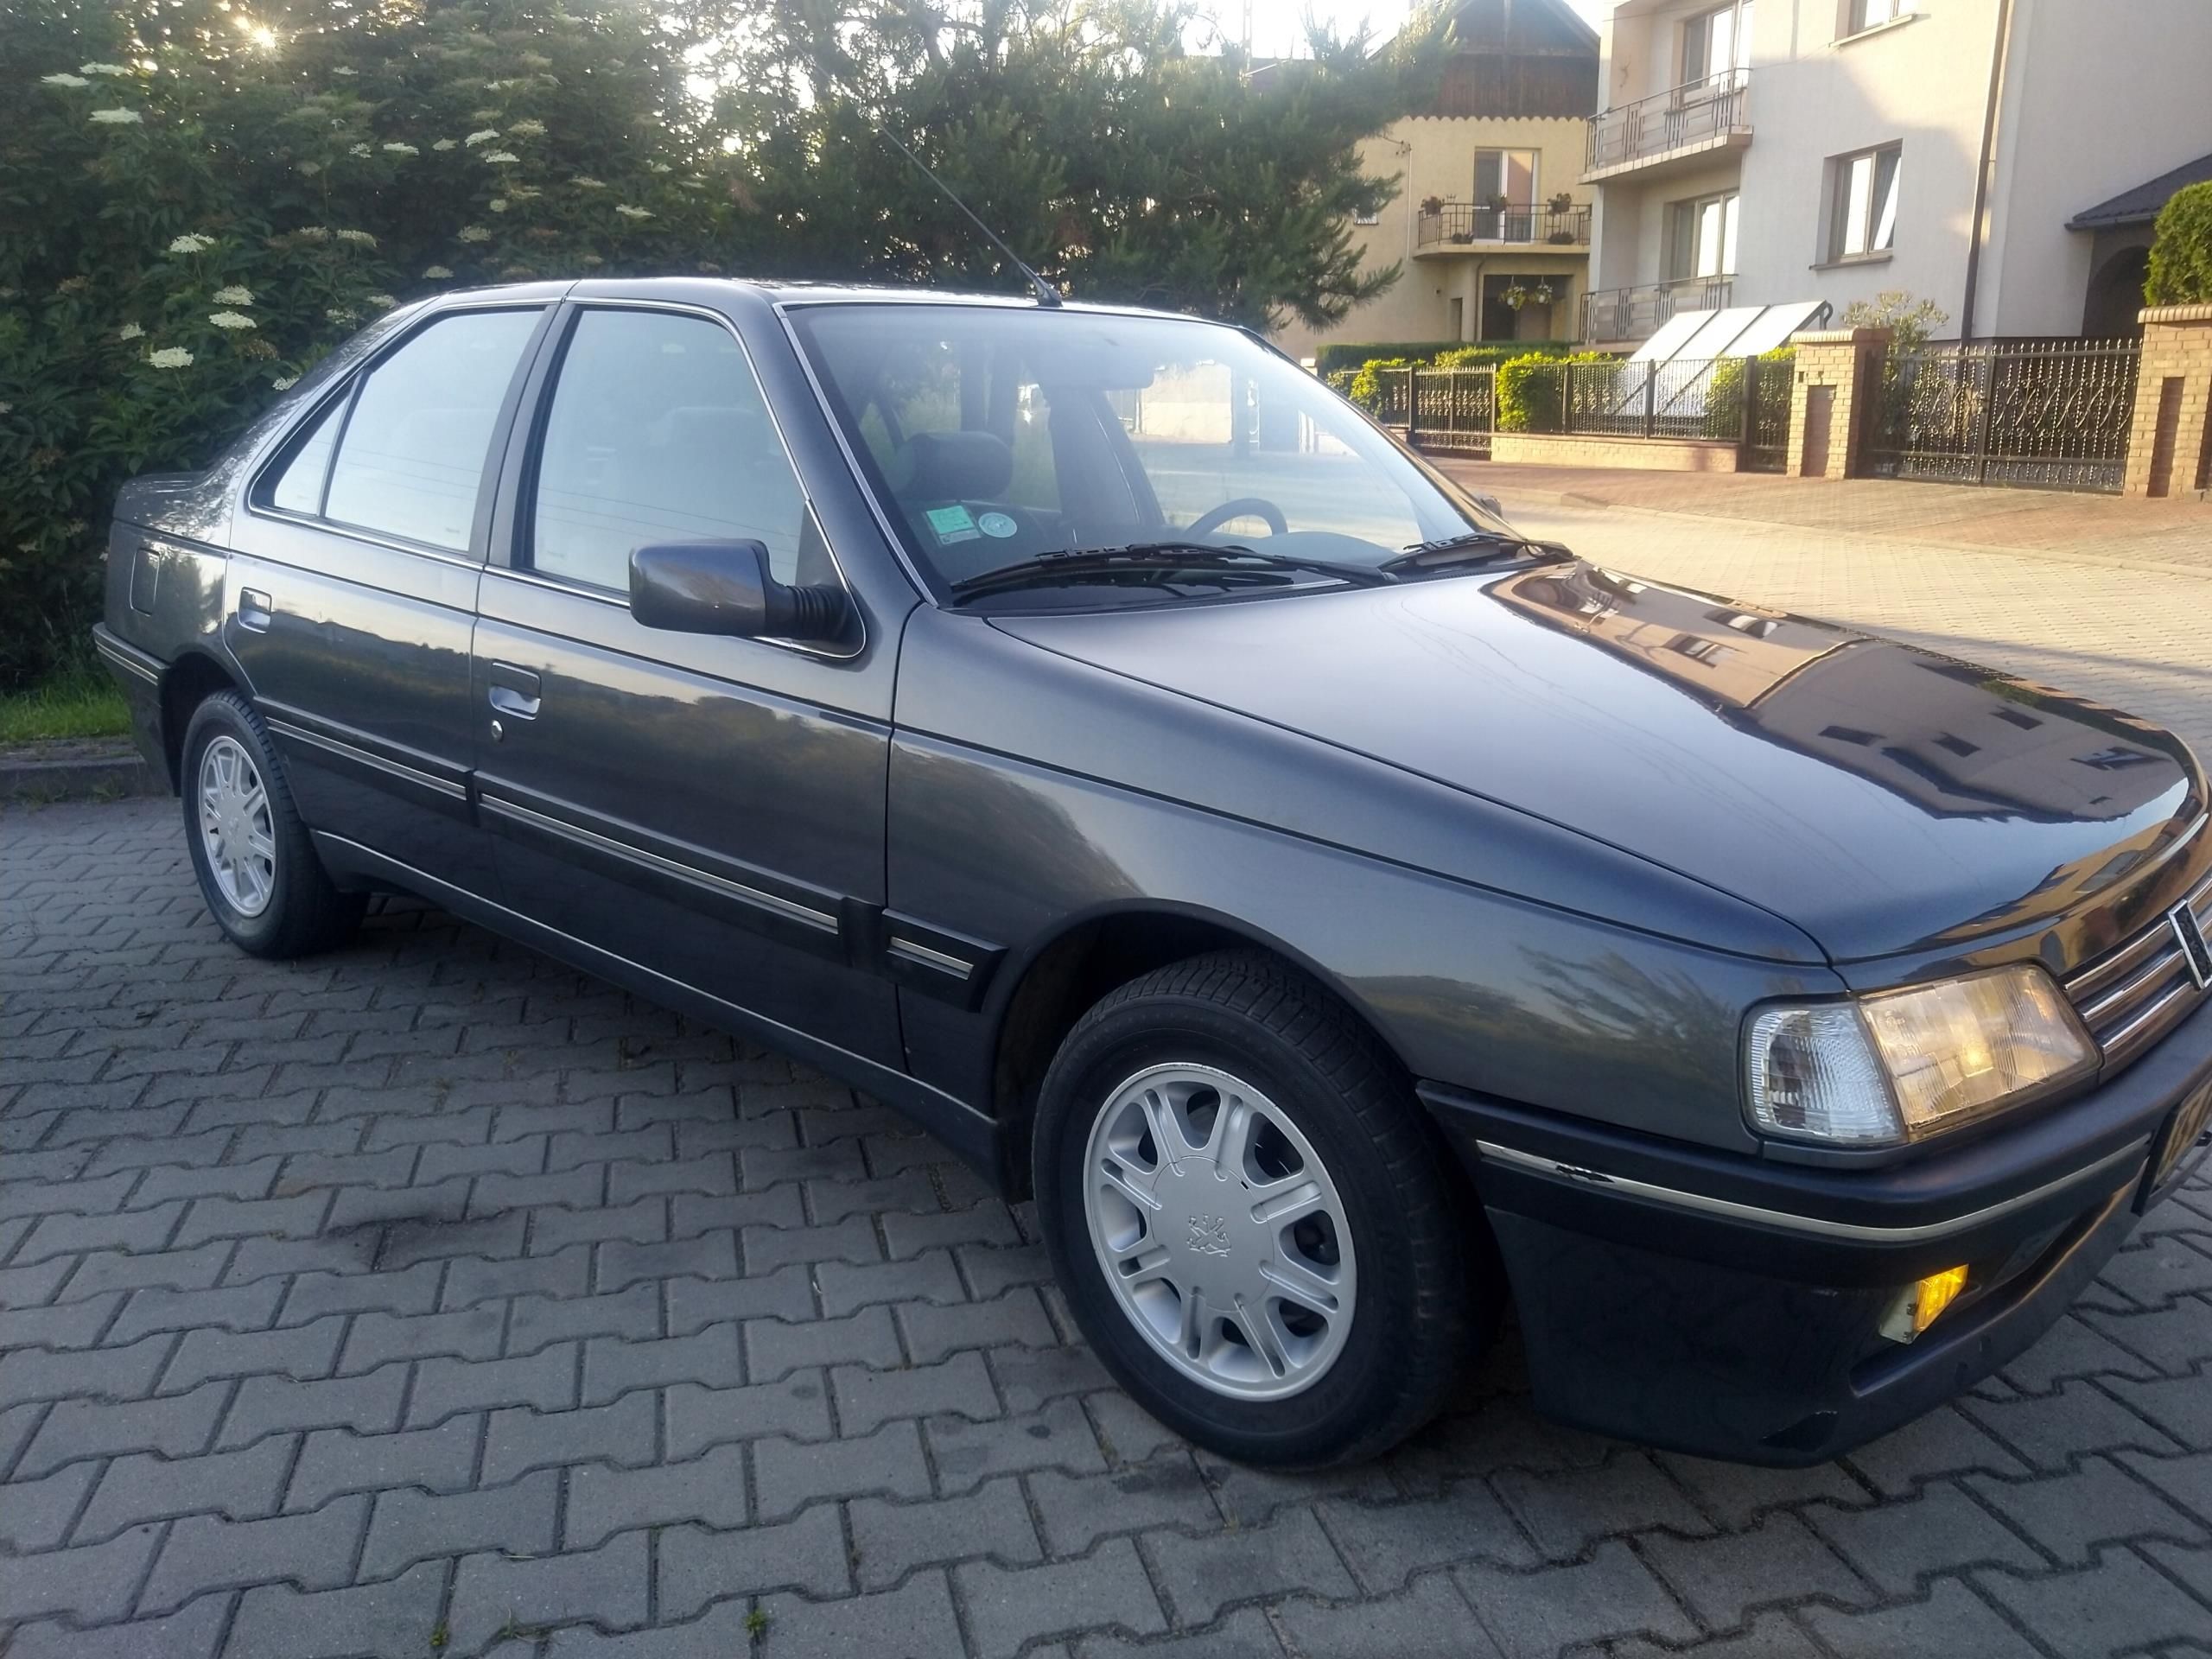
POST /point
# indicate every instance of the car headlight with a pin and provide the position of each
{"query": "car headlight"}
(1902, 1066)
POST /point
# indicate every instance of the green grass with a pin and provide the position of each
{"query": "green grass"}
(82, 701)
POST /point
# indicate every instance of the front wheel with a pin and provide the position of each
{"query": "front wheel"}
(258, 869)
(1250, 1215)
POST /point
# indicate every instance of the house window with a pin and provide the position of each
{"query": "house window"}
(1364, 219)
(1862, 14)
(1717, 45)
(1507, 175)
(1702, 236)
(1862, 204)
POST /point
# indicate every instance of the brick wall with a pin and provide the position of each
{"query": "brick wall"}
(1587, 449)
(2167, 444)
(1848, 360)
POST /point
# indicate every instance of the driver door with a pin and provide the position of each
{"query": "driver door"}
(707, 807)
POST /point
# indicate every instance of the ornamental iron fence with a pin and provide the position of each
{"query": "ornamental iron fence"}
(2040, 414)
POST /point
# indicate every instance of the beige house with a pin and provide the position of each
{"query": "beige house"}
(1757, 152)
(1491, 227)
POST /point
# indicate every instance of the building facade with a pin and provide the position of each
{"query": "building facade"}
(1491, 227)
(1759, 152)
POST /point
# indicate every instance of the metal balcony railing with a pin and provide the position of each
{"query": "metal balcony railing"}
(1617, 314)
(1459, 222)
(1703, 110)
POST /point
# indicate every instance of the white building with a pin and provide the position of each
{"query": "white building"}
(1760, 152)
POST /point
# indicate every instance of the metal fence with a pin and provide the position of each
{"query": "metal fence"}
(1684, 398)
(1449, 410)
(2050, 415)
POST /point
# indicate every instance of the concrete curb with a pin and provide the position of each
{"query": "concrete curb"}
(76, 770)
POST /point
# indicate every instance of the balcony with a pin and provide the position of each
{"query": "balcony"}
(1618, 315)
(1457, 225)
(1672, 129)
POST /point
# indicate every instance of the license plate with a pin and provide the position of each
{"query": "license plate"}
(2184, 1131)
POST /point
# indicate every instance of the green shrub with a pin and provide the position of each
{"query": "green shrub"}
(1365, 387)
(2181, 254)
(1530, 387)
(1350, 354)
(1724, 395)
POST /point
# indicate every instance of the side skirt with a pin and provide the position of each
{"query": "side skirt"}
(974, 1135)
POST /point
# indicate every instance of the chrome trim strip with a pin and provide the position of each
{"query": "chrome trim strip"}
(2143, 1023)
(126, 659)
(446, 787)
(1783, 1219)
(788, 908)
(2126, 956)
(922, 956)
(2161, 965)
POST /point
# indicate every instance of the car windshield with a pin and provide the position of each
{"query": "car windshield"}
(994, 436)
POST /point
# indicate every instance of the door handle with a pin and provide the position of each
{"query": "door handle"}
(254, 609)
(512, 692)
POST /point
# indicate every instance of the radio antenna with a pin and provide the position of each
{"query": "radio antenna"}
(1046, 294)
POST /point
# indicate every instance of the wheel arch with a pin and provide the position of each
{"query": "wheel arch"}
(189, 681)
(1088, 954)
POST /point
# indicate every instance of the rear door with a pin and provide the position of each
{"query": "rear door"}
(352, 588)
(709, 808)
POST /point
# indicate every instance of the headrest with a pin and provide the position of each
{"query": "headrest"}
(952, 466)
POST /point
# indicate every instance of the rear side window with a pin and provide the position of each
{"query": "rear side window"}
(657, 432)
(413, 450)
(298, 489)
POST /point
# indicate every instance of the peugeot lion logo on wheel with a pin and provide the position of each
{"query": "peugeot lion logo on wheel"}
(1210, 1235)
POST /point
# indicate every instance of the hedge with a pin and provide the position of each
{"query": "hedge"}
(2181, 250)
(1528, 397)
(1337, 355)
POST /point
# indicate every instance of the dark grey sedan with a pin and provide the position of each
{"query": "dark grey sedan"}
(1344, 913)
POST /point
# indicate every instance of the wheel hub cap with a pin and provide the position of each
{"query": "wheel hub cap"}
(236, 832)
(1220, 1231)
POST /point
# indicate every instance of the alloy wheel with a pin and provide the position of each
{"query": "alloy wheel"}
(238, 832)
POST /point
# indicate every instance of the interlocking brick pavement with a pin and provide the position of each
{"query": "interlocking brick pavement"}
(431, 1299)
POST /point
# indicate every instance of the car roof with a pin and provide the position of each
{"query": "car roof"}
(795, 294)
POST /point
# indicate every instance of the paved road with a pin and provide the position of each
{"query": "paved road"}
(429, 1299)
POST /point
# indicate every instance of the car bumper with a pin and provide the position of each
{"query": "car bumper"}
(1733, 1308)
(139, 674)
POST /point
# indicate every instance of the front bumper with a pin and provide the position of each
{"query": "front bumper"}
(1730, 1308)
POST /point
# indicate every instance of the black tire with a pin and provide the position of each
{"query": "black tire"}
(1420, 1293)
(303, 913)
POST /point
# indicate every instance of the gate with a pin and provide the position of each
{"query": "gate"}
(1449, 410)
(2043, 415)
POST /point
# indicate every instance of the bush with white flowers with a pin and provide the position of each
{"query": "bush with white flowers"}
(210, 214)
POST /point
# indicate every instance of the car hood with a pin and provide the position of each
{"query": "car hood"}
(1881, 798)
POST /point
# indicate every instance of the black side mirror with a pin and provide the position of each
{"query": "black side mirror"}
(726, 588)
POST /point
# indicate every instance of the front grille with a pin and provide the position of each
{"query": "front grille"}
(2142, 990)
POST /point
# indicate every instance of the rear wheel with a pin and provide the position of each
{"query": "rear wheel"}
(258, 869)
(1249, 1216)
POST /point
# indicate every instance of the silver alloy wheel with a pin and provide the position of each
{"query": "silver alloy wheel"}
(1220, 1231)
(237, 831)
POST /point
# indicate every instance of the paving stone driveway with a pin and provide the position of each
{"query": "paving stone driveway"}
(429, 1299)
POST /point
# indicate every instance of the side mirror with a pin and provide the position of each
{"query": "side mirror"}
(726, 588)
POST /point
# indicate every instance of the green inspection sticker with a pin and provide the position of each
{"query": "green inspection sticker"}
(952, 524)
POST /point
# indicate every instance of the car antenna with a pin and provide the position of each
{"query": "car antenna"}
(1046, 294)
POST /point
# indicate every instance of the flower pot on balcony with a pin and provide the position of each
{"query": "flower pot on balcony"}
(1432, 205)
(1562, 203)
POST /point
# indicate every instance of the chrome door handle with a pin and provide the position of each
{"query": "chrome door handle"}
(512, 692)
(255, 611)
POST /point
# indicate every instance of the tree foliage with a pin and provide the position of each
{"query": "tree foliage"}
(2180, 250)
(200, 197)
(1910, 321)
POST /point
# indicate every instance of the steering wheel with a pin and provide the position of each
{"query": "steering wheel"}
(1244, 506)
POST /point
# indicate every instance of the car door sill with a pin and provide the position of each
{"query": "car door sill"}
(974, 1135)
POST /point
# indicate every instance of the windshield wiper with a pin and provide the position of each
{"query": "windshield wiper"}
(1152, 558)
(1468, 547)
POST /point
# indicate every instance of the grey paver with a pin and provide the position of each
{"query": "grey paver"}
(395, 1617)
(243, 1486)
(1201, 1575)
(788, 1475)
(519, 1440)
(411, 1526)
(698, 1566)
(1533, 1615)
(314, 1551)
(1010, 1607)
(609, 1585)
(709, 1489)
(890, 1540)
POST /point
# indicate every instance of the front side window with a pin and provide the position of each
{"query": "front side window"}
(658, 432)
(994, 435)
(1863, 208)
(412, 452)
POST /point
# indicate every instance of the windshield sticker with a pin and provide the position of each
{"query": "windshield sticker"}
(951, 524)
(996, 523)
